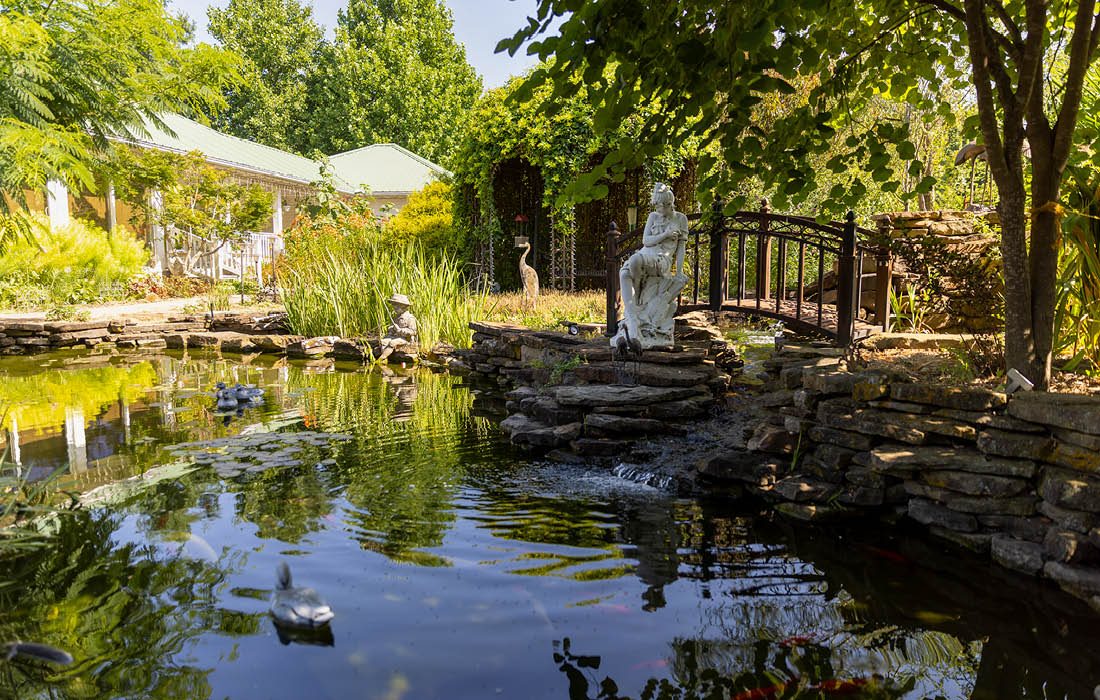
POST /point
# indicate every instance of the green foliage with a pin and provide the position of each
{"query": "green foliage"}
(560, 139)
(196, 197)
(279, 43)
(428, 221)
(1078, 305)
(74, 72)
(76, 264)
(393, 74)
(711, 63)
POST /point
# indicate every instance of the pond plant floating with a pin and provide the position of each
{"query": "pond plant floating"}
(297, 606)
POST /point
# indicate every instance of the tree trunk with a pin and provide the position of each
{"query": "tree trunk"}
(1019, 343)
(1045, 236)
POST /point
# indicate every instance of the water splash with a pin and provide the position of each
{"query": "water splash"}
(639, 475)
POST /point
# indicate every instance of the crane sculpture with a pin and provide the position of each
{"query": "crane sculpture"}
(527, 274)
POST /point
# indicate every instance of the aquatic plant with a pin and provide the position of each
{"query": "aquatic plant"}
(343, 291)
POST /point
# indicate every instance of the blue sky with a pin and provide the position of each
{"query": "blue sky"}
(479, 24)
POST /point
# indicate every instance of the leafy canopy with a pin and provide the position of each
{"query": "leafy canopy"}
(75, 72)
(393, 74)
(279, 43)
(710, 64)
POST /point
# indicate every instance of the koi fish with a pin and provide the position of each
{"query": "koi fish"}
(651, 664)
(766, 693)
(835, 687)
(799, 640)
(888, 555)
(829, 687)
(34, 650)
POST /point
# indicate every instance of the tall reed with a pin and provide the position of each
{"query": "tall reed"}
(342, 290)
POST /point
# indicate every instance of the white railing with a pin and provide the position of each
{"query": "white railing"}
(244, 259)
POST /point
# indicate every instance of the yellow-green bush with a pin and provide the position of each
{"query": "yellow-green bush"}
(76, 264)
(428, 221)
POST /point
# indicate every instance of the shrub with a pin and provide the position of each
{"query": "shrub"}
(428, 221)
(76, 264)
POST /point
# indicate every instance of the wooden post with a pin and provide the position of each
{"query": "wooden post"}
(883, 272)
(612, 256)
(719, 260)
(764, 255)
(846, 283)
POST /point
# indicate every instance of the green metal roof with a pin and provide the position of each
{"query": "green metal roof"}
(385, 168)
(231, 151)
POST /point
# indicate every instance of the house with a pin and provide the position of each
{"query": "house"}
(387, 171)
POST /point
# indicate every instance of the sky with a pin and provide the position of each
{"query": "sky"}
(479, 24)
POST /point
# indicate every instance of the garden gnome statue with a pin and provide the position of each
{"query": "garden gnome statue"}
(402, 330)
(652, 277)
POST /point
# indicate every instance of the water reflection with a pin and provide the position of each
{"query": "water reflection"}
(456, 568)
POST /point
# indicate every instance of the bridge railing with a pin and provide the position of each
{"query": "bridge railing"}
(772, 265)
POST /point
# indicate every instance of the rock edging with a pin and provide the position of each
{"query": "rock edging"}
(1016, 478)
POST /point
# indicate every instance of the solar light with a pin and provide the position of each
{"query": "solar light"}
(632, 216)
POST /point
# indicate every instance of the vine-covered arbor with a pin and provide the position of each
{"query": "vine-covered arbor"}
(513, 173)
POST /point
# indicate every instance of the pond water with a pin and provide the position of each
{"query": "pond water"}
(456, 567)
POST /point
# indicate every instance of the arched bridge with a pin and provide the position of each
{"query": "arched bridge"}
(823, 278)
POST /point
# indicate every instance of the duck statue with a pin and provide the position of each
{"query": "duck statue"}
(226, 397)
(297, 606)
(247, 394)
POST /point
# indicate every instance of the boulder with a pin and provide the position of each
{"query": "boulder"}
(771, 438)
(1009, 552)
(740, 466)
(1075, 580)
(1030, 529)
(1069, 547)
(802, 490)
(931, 513)
(1068, 518)
(840, 438)
(980, 505)
(1068, 489)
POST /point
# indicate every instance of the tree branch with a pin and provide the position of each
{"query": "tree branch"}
(1006, 20)
(1080, 51)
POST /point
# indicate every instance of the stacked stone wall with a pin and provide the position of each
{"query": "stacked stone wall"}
(961, 249)
(573, 396)
(1017, 478)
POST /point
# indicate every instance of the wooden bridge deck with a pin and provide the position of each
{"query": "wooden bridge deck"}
(804, 320)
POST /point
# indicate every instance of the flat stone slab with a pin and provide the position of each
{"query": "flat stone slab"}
(1070, 411)
(949, 397)
(644, 373)
(618, 395)
(975, 484)
(897, 458)
(913, 341)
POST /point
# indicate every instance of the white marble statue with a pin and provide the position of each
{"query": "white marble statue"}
(652, 277)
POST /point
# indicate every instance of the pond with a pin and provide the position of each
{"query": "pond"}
(458, 568)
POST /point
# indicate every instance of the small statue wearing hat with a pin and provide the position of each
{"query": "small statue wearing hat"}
(402, 330)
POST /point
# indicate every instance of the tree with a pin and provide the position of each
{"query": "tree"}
(279, 43)
(710, 62)
(394, 73)
(74, 73)
(196, 198)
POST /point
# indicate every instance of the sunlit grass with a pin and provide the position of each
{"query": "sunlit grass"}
(551, 312)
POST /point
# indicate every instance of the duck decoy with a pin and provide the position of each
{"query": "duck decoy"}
(297, 606)
(226, 398)
(247, 393)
